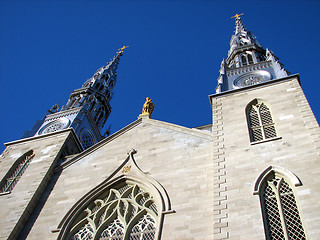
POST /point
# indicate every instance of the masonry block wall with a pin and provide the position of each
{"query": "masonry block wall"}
(17, 205)
(180, 159)
(238, 163)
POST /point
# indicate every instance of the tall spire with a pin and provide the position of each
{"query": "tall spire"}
(88, 107)
(239, 25)
(248, 62)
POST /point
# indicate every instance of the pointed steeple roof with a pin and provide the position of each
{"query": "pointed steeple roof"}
(110, 67)
(248, 62)
(87, 108)
(239, 25)
(241, 37)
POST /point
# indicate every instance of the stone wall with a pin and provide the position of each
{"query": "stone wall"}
(17, 205)
(239, 163)
(180, 159)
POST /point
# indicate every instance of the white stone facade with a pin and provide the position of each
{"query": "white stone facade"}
(239, 163)
(205, 184)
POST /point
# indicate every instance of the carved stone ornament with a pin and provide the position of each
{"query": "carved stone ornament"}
(55, 126)
(252, 78)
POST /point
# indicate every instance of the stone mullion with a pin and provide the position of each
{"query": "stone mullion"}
(283, 222)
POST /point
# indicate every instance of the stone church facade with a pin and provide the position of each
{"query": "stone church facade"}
(252, 174)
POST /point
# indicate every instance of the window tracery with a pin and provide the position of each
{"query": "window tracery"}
(86, 139)
(261, 125)
(125, 211)
(280, 211)
(16, 171)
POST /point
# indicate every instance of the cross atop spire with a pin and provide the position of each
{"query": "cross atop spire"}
(239, 25)
(237, 16)
(123, 48)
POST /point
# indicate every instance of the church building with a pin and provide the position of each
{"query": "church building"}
(253, 173)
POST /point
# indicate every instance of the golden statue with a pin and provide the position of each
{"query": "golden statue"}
(148, 107)
(237, 16)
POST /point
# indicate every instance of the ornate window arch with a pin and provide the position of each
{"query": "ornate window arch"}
(260, 122)
(15, 172)
(280, 210)
(125, 209)
(86, 138)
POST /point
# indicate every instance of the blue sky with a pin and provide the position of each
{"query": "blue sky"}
(49, 48)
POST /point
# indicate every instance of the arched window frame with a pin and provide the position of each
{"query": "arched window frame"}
(260, 122)
(247, 59)
(66, 227)
(86, 138)
(244, 60)
(276, 214)
(14, 174)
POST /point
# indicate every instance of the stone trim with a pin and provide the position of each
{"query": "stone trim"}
(220, 208)
(48, 135)
(65, 113)
(308, 117)
(259, 85)
(266, 140)
(294, 180)
(250, 68)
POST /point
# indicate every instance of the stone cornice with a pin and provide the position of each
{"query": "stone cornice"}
(271, 82)
(250, 68)
(48, 135)
(64, 113)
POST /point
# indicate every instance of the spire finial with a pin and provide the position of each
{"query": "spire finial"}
(123, 48)
(237, 16)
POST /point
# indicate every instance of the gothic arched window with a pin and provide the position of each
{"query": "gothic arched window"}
(123, 211)
(15, 172)
(87, 139)
(244, 60)
(260, 123)
(250, 59)
(280, 210)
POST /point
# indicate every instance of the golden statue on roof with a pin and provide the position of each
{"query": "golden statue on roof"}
(237, 16)
(148, 107)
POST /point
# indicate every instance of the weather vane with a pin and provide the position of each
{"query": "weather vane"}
(237, 16)
(123, 48)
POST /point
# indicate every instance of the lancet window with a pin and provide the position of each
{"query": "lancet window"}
(246, 59)
(15, 173)
(280, 210)
(124, 211)
(261, 125)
